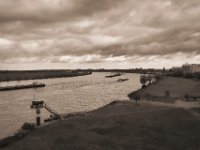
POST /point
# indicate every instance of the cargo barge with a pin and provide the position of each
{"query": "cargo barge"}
(18, 87)
(122, 80)
(114, 75)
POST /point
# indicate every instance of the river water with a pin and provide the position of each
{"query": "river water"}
(65, 95)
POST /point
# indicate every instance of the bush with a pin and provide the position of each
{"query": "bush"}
(177, 73)
(186, 96)
(28, 126)
(136, 97)
(158, 76)
(197, 75)
(143, 79)
(188, 75)
(144, 86)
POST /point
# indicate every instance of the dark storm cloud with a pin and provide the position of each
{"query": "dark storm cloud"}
(96, 30)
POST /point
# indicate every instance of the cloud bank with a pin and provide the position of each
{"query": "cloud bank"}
(103, 31)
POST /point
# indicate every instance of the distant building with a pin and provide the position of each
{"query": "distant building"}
(192, 68)
(176, 69)
(187, 68)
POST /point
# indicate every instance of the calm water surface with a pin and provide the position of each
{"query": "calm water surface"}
(65, 95)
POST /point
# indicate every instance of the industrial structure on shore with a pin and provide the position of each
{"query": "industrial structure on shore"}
(188, 68)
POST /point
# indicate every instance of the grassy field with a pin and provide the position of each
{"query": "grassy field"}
(119, 126)
(178, 88)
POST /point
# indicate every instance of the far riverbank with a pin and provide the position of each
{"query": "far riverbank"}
(14, 75)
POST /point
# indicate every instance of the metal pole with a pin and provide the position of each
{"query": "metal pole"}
(38, 122)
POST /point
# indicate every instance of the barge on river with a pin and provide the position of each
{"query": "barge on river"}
(113, 75)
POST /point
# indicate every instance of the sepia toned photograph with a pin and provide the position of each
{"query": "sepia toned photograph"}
(100, 74)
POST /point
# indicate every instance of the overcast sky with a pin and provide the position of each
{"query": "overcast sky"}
(43, 34)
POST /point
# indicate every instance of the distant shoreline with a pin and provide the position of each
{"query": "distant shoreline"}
(17, 75)
(19, 87)
(14, 75)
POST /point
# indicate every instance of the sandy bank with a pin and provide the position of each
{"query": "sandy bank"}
(119, 126)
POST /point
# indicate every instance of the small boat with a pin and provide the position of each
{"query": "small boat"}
(18, 87)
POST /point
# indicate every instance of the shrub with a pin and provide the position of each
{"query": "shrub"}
(28, 126)
(158, 76)
(188, 75)
(186, 96)
(143, 79)
(178, 73)
(136, 97)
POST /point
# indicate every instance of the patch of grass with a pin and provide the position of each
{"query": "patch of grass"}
(59, 140)
(67, 140)
(197, 110)
(11, 139)
(113, 131)
(106, 144)
(103, 130)
(68, 143)
(112, 103)
(70, 115)
(129, 146)
(69, 125)
(177, 87)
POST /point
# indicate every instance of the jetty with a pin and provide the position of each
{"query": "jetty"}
(18, 87)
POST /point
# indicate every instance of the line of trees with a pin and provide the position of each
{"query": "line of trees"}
(149, 79)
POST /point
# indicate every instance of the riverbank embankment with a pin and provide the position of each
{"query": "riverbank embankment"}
(119, 125)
